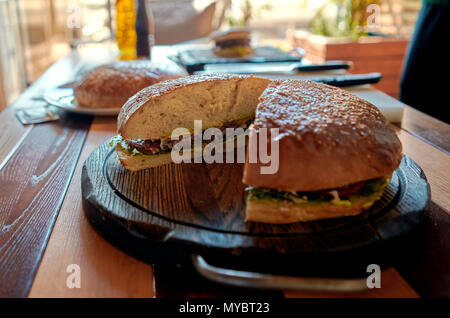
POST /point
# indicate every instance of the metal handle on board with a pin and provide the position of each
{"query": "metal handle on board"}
(269, 281)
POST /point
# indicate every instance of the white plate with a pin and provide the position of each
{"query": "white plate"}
(63, 98)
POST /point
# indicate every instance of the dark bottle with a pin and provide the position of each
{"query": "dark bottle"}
(144, 30)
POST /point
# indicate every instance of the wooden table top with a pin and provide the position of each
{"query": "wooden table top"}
(43, 228)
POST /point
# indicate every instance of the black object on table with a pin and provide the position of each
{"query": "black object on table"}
(195, 59)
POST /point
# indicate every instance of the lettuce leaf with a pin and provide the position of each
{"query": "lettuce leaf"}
(369, 193)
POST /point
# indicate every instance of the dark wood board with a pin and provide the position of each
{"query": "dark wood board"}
(175, 210)
(425, 260)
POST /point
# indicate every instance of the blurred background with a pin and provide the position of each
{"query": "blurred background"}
(35, 33)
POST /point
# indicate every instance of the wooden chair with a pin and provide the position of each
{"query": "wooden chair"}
(176, 20)
(179, 20)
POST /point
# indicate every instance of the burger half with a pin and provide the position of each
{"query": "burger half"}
(110, 85)
(337, 154)
(148, 119)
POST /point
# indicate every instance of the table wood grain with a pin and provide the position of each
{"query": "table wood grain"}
(427, 128)
(434, 162)
(38, 187)
(33, 183)
(106, 271)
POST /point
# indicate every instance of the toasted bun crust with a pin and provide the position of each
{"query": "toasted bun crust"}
(283, 212)
(157, 110)
(329, 138)
(233, 33)
(110, 86)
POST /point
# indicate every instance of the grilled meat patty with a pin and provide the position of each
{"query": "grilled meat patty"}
(154, 146)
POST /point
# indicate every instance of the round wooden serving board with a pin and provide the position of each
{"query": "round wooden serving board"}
(200, 208)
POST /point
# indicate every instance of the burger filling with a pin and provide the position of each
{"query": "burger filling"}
(157, 146)
(232, 42)
(151, 147)
(363, 193)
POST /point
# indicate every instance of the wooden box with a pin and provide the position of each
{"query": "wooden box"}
(368, 54)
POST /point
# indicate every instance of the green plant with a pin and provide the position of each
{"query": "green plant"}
(242, 11)
(349, 18)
